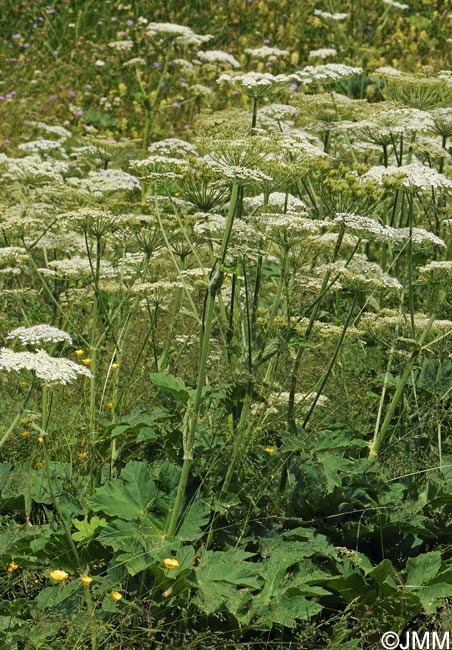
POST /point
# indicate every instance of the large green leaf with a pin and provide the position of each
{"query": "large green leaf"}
(287, 611)
(87, 528)
(422, 569)
(68, 593)
(136, 543)
(334, 467)
(129, 497)
(195, 518)
(228, 566)
(432, 596)
(170, 384)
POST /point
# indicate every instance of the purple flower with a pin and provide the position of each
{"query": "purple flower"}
(186, 126)
(293, 86)
(176, 105)
(55, 52)
(2, 97)
(79, 113)
(121, 33)
(156, 64)
(235, 92)
(52, 98)
(50, 10)
(16, 37)
(72, 93)
(7, 141)
(88, 87)
(129, 23)
(267, 41)
(268, 64)
(114, 19)
(172, 132)
(13, 59)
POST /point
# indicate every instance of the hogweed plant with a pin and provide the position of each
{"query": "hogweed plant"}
(251, 314)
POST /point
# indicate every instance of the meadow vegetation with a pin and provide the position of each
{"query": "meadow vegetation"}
(225, 362)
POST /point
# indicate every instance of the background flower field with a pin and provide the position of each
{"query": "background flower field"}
(225, 362)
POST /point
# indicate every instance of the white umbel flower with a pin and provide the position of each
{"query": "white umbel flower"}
(414, 176)
(50, 369)
(218, 57)
(322, 53)
(255, 84)
(266, 53)
(39, 334)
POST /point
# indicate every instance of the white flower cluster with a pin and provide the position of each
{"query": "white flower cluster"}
(218, 57)
(136, 61)
(328, 16)
(39, 334)
(266, 53)
(419, 237)
(236, 173)
(59, 131)
(326, 73)
(278, 112)
(121, 46)
(160, 167)
(78, 267)
(105, 181)
(437, 271)
(255, 84)
(322, 53)
(368, 228)
(39, 146)
(414, 176)
(388, 70)
(50, 369)
(359, 273)
(363, 227)
(172, 147)
(299, 148)
(12, 255)
(292, 223)
(181, 34)
(215, 225)
(33, 168)
(388, 321)
(302, 400)
(395, 4)
(279, 200)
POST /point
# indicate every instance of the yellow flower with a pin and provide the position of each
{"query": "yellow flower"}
(116, 595)
(270, 450)
(39, 465)
(114, 366)
(82, 455)
(79, 353)
(41, 439)
(87, 361)
(86, 580)
(12, 566)
(109, 405)
(59, 574)
(171, 563)
(23, 384)
(25, 433)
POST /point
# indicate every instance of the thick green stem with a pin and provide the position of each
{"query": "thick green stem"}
(192, 415)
